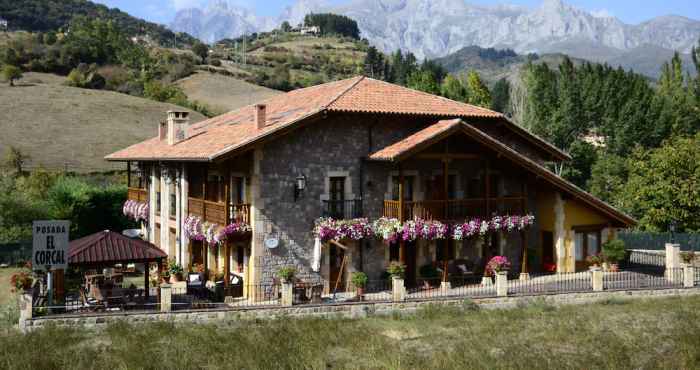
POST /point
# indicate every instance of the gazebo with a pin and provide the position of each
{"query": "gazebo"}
(108, 248)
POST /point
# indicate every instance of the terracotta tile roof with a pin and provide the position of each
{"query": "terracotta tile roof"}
(374, 96)
(107, 247)
(219, 135)
(433, 133)
(417, 141)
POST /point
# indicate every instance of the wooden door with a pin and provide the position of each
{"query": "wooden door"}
(337, 270)
(548, 262)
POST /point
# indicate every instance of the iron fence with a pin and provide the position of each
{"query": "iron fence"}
(374, 291)
(565, 282)
(643, 278)
(697, 275)
(342, 209)
(641, 258)
(433, 288)
(657, 241)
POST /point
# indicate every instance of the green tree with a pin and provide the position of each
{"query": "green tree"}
(663, 185)
(452, 88)
(608, 176)
(478, 92)
(500, 95)
(423, 81)
(374, 63)
(201, 50)
(11, 73)
(14, 159)
(285, 27)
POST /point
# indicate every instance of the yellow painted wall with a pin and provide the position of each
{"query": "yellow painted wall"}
(578, 214)
(545, 211)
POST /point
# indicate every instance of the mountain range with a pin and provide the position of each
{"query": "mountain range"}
(436, 28)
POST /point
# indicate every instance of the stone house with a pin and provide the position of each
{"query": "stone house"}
(360, 148)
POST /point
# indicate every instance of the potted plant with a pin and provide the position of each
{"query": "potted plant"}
(359, 280)
(594, 261)
(286, 274)
(688, 257)
(175, 271)
(21, 281)
(497, 265)
(396, 270)
(614, 252)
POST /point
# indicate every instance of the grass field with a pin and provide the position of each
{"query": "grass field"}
(61, 126)
(639, 334)
(223, 93)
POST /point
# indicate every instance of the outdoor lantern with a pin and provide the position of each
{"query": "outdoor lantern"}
(672, 230)
(299, 186)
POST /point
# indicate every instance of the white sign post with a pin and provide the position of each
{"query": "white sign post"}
(50, 249)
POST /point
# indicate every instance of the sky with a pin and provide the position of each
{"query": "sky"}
(629, 11)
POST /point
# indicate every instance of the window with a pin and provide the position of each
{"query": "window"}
(586, 243)
(336, 201)
(407, 188)
(451, 186)
(394, 251)
(173, 205)
(237, 195)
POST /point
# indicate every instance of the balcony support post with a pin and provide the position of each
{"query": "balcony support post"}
(402, 244)
(128, 174)
(523, 233)
(445, 246)
(487, 196)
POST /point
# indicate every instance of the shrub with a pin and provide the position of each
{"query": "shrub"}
(359, 279)
(497, 264)
(396, 269)
(614, 250)
(21, 281)
(174, 268)
(286, 273)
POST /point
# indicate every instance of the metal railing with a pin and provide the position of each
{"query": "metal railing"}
(454, 209)
(640, 258)
(643, 278)
(432, 288)
(342, 209)
(566, 282)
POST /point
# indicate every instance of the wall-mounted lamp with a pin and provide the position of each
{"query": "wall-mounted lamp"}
(672, 230)
(299, 186)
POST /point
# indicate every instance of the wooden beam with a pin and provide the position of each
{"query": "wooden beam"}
(128, 174)
(447, 156)
(227, 263)
(146, 280)
(487, 174)
(337, 244)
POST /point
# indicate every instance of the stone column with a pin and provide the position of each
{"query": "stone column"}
(184, 206)
(559, 233)
(597, 279)
(165, 298)
(673, 262)
(257, 226)
(688, 276)
(502, 283)
(287, 294)
(25, 309)
(164, 212)
(398, 290)
(152, 205)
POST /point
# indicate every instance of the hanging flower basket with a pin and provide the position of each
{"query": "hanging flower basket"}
(329, 229)
(137, 211)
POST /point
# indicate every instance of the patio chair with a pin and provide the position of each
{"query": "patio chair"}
(88, 303)
(195, 284)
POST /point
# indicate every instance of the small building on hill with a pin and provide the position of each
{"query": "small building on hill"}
(354, 174)
(3, 24)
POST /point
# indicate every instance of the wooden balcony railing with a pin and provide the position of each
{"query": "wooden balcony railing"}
(139, 195)
(454, 210)
(215, 212)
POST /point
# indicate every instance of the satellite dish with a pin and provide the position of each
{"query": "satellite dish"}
(272, 243)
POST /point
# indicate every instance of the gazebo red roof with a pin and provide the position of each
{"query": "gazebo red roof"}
(108, 247)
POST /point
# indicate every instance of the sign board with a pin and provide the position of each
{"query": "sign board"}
(50, 247)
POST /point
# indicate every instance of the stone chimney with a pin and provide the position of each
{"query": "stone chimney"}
(162, 130)
(177, 126)
(260, 116)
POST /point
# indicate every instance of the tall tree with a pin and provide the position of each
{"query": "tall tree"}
(478, 92)
(500, 96)
(452, 88)
(11, 73)
(423, 81)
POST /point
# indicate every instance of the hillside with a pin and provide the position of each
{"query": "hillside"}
(65, 127)
(309, 60)
(494, 64)
(222, 93)
(52, 15)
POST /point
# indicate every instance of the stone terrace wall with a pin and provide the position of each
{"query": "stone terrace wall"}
(356, 310)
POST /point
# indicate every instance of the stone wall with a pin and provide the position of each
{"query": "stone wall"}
(336, 146)
(355, 310)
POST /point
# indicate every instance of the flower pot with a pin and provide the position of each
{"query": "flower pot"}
(174, 278)
(361, 293)
(614, 267)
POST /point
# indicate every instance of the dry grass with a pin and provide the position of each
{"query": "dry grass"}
(223, 93)
(659, 333)
(59, 125)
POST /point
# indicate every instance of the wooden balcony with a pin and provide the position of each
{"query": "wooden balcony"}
(216, 212)
(139, 195)
(456, 209)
